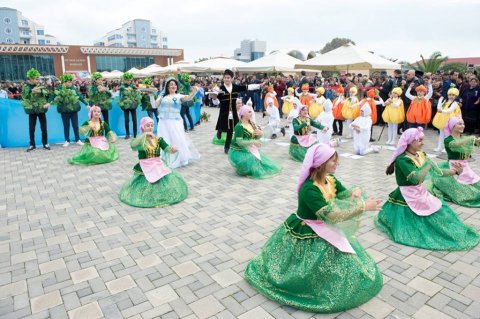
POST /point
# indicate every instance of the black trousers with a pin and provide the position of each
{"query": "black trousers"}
(228, 140)
(127, 121)
(105, 116)
(338, 127)
(185, 110)
(66, 119)
(153, 112)
(32, 122)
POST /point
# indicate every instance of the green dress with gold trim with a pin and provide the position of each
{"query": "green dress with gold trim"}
(301, 127)
(243, 159)
(139, 192)
(442, 230)
(448, 188)
(90, 155)
(297, 268)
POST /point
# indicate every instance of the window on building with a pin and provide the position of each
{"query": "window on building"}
(9, 40)
(24, 22)
(7, 20)
(15, 67)
(25, 32)
(40, 32)
(143, 29)
(154, 31)
(165, 46)
(41, 41)
(164, 39)
(122, 63)
(48, 41)
(8, 30)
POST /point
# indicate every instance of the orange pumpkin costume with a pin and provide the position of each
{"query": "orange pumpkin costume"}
(420, 110)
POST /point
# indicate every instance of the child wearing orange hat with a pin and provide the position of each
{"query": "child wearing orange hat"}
(271, 94)
(305, 96)
(337, 111)
(420, 109)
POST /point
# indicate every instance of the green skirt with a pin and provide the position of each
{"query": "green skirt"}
(450, 190)
(246, 164)
(442, 230)
(297, 152)
(220, 141)
(312, 275)
(138, 192)
(90, 155)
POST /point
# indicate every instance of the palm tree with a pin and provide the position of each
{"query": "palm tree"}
(433, 63)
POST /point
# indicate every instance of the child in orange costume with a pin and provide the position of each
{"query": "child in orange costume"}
(420, 109)
(305, 97)
(271, 94)
(351, 109)
(337, 111)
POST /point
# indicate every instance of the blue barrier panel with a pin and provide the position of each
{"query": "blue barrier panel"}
(14, 123)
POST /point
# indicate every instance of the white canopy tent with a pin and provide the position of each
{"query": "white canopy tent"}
(218, 64)
(275, 62)
(348, 57)
(182, 65)
(115, 74)
(136, 72)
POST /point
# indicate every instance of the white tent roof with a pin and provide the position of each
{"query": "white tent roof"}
(275, 62)
(348, 57)
(218, 64)
(135, 71)
(183, 65)
(115, 74)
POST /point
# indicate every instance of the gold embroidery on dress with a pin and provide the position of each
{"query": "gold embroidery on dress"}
(329, 190)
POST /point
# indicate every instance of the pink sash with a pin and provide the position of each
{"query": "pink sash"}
(99, 142)
(154, 169)
(334, 237)
(468, 176)
(419, 200)
(306, 140)
(255, 151)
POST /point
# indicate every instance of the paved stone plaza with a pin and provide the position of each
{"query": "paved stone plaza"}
(70, 249)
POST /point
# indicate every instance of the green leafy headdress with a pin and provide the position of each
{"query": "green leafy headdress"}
(127, 76)
(96, 76)
(66, 78)
(33, 74)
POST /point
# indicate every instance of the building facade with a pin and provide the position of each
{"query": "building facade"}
(15, 28)
(136, 33)
(250, 50)
(17, 59)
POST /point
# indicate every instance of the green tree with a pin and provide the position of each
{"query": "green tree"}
(458, 67)
(432, 64)
(335, 43)
(202, 59)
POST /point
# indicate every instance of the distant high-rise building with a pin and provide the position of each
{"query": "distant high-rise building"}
(136, 33)
(15, 28)
(250, 50)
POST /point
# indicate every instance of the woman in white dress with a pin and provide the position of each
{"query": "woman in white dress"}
(170, 124)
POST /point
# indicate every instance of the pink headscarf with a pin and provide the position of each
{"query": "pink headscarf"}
(410, 135)
(144, 122)
(450, 124)
(244, 109)
(316, 155)
(91, 109)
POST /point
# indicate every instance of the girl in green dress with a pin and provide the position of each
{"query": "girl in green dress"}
(302, 138)
(244, 154)
(309, 262)
(98, 147)
(465, 189)
(414, 217)
(153, 184)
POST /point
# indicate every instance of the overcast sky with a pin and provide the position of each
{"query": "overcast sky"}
(203, 28)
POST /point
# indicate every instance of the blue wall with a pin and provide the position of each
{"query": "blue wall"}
(13, 25)
(14, 123)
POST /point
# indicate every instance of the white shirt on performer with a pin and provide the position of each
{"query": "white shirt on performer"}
(326, 119)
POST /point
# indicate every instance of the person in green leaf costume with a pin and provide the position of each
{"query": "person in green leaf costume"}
(185, 89)
(99, 147)
(35, 104)
(100, 95)
(314, 261)
(67, 99)
(129, 101)
(146, 103)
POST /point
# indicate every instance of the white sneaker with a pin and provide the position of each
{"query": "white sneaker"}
(443, 151)
(79, 143)
(437, 149)
(66, 144)
(376, 149)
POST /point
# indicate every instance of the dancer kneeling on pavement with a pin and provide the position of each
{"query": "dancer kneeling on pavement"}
(153, 184)
(302, 137)
(273, 119)
(414, 217)
(244, 154)
(98, 147)
(361, 127)
(313, 261)
(465, 189)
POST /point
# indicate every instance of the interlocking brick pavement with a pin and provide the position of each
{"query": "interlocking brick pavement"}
(70, 249)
